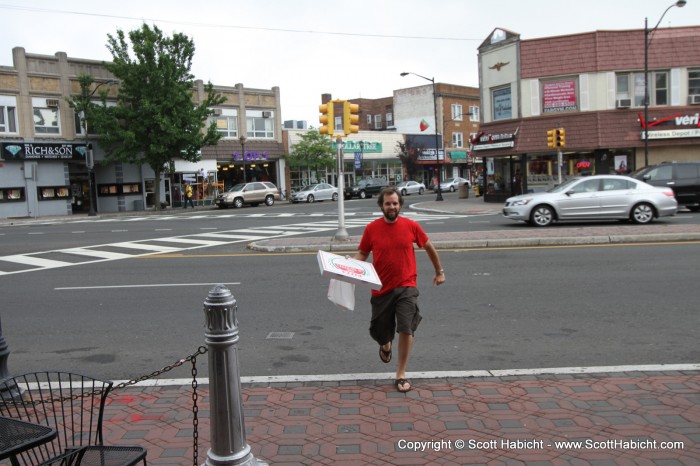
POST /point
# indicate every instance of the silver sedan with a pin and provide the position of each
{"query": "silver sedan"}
(315, 192)
(452, 184)
(593, 198)
(410, 187)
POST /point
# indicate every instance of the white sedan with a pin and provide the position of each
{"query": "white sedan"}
(598, 197)
(315, 192)
(410, 187)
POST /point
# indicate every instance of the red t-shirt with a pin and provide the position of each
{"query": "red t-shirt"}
(392, 246)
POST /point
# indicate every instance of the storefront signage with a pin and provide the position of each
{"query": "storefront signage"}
(427, 155)
(42, 151)
(250, 156)
(674, 133)
(483, 141)
(677, 118)
(354, 146)
(498, 145)
(559, 96)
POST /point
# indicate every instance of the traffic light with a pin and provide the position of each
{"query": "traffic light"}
(560, 137)
(327, 120)
(551, 139)
(351, 119)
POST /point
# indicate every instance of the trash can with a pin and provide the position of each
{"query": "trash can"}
(138, 204)
(463, 191)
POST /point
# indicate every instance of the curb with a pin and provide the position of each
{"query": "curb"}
(314, 244)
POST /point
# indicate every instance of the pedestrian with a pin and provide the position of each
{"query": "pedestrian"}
(395, 306)
(188, 195)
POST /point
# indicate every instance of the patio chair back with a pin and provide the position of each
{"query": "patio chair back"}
(73, 404)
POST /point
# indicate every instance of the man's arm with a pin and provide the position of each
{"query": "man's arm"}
(361, 255)
(439, 278)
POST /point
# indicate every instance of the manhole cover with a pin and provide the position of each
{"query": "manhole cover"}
(280, 335)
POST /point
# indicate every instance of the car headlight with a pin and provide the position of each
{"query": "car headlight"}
(519, 202)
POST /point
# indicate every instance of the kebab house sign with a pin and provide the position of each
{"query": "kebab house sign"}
(483, 141)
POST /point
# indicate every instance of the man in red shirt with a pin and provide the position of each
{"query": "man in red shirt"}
(395, 307)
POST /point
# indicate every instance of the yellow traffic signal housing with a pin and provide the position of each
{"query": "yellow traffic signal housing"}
(560, 137)
(551, 139)
(326, 118)
(351, 119)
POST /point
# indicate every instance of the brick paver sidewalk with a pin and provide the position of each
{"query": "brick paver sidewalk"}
(620, 419)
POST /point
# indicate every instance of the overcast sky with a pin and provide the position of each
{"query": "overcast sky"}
(350, 49)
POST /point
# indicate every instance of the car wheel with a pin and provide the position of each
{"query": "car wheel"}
(642, 213)
(270, 200)
(421, 191)
(363, 195)
(693, 208)
(452, 189)
(542, 216)
(238, 203)
(335, 196)
(310, 199)
(403, 192)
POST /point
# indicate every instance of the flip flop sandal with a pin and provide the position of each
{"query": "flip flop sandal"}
(385, 356)
(401, 382)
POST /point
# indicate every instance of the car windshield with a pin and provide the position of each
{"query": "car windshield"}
(639, 173)
(402, 184)
(561, 188)
(449, 180)
(307, 188)
(238, 187)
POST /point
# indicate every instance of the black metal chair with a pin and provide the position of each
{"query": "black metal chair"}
(73, 404)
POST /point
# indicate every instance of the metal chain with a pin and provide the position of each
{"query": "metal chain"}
(195, 410)
(154, 374)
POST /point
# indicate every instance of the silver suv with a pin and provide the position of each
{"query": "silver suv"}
(253, 193)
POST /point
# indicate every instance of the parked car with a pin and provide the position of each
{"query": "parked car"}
(452, 184)
(315, 192)
(366, 187)
(593, 198)
(253, 194)
(410, 187)
(682, 177)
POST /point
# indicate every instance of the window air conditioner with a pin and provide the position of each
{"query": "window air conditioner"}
(52, 103)
(217, 112)
(623, 103)
(694, 99)
(267, 114)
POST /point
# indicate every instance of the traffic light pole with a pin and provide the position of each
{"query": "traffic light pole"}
(342, 233)
(560, 159)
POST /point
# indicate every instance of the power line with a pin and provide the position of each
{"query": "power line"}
(228, 26)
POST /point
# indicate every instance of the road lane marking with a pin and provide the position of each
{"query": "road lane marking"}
(155, 285)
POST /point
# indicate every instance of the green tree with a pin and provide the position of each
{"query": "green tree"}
(314, 150)
(156, 119)
(409, 157)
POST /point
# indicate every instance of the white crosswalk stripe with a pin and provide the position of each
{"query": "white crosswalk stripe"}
(36, 261)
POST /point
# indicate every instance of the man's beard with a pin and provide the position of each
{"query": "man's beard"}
(391, 216)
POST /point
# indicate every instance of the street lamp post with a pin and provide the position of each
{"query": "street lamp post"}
(437, 145)
(242, 139)
(647, 42)
(89, 159)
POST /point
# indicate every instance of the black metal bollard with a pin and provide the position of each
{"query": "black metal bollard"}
(228, 442)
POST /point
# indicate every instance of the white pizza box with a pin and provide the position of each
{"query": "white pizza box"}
(348, 270)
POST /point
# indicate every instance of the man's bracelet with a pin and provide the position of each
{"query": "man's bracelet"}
(440, 272)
